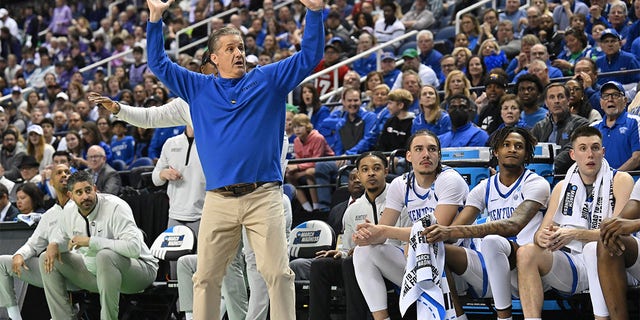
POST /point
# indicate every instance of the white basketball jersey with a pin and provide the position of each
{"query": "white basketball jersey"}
(502, 201)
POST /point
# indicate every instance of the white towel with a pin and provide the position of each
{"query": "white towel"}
(581, 211)
(424, 281)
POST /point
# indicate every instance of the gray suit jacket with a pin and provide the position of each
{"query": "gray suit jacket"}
(108, 180)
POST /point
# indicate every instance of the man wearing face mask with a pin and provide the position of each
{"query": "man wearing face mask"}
(463, 133)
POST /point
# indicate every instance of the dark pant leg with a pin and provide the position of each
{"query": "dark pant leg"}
(356, 305)
(325, 272)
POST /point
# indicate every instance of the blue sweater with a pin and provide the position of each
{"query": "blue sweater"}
(239, 123)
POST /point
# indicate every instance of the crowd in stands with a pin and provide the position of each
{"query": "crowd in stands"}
(539, 68)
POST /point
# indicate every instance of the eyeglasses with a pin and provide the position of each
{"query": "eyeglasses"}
(615, 96)
(574, 89)
(610, 41)
(458, 106)
(96, 157)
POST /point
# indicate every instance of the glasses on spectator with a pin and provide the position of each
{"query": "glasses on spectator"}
(574, 89)
(95, 157)
(610, 41)
(615, 96)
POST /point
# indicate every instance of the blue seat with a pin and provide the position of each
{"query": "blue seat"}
(446, 33)
(141, 162)
(119, 165)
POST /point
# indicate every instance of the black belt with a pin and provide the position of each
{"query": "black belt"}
(238, 189)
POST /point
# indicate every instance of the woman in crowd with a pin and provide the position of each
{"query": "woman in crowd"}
(576, 47)
(29, 199)
(432, 117)
(492, 55)
(476, 71)
(104, 127)
(91, 137)
(37, 147)
(311, 106)
(461, 55)
(457, 83)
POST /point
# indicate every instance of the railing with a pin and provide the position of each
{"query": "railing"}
(335, 67)
(471, 8)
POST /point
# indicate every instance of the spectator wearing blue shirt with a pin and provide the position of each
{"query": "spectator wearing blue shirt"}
(122, 146)
(431, 117)
(528, 89)
(615, 59)
(388, 66)
(367, 63)
(513, 13)
(620, 136)
(561, 13)
(311, 106)
(463, 132)
(428, 55)
(539, 51)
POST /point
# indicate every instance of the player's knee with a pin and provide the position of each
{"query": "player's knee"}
(527, 256)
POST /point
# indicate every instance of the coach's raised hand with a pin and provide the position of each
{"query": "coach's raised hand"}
(157, 7)
(314, 5)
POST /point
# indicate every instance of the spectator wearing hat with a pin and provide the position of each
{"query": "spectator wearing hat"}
(614, 59)
(489, 118)
(30, 70)
(37, 147)
(388, 67)
(29, 169)
(326, 83)
(122, 145)
(412, 62)
(390, 27)
(17, 98)
(37, 77)
(620, 136)
(339, 29)
(10, 23)
(13, 116)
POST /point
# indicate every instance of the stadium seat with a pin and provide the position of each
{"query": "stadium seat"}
(310, 237)
(140, 162)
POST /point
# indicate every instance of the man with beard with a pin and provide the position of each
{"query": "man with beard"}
(528, 89)
(427, 192)
(110, 254)
(515, 199)
(463, 132)
(10, 155)
(489, 118)
(24, 263)
(558, 125)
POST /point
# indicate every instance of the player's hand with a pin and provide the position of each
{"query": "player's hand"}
(560, 238)
(329, 253)
(612, 228)
(170, 174)
(437, 233)
(18, 264)
(366, 233)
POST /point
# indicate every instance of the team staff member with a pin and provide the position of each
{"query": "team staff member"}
(239, 110)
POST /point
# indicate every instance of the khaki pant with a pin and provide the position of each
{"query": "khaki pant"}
(261, 213)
